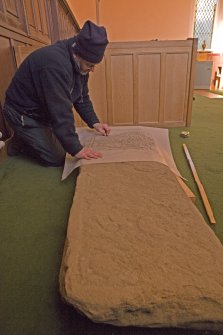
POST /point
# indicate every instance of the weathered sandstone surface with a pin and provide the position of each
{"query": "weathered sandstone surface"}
(138, 252)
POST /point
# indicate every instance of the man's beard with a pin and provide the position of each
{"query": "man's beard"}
(79, 66)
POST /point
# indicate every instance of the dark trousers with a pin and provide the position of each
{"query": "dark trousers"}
(38, 139)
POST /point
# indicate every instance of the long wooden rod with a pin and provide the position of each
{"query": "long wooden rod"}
(200, 186)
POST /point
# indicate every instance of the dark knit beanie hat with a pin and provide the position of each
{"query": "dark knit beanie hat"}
(91, 42)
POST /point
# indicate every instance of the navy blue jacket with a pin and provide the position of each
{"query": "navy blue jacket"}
(46, 86)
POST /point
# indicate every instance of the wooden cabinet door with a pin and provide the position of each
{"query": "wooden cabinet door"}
(150, 83)
(120, 84)
(176, 85)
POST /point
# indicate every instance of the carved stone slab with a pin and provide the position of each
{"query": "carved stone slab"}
(138, 252)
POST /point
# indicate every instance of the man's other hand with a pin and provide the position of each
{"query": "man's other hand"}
(88, 153)
(102, 128)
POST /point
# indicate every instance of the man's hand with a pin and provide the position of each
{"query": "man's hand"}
(102, 128)
(88, 153)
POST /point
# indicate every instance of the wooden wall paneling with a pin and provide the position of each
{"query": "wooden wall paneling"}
(16, 43)
(12, 15)
(68, 25)
(176, 88)
(7, 65)
(30, 13)
(97, 91)
(1, 7)
(53, 20)
(21, 52)
(122, 89)
(18, 36)
(37, 13)
(37, 20)
(7, 69)
(40, 11)
(29, 43)
(44, 17)
(11, 7)
(62, 22)
(148, 87)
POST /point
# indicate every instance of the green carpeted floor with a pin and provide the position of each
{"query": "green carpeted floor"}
(34, 208)
(220, 92)
(205, 146)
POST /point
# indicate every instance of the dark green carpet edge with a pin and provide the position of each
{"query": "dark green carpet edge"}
(34, 209)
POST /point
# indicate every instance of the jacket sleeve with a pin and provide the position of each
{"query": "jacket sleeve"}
(84, 106)
(56, 95)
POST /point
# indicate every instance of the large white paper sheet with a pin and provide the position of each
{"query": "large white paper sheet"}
(124, 143)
